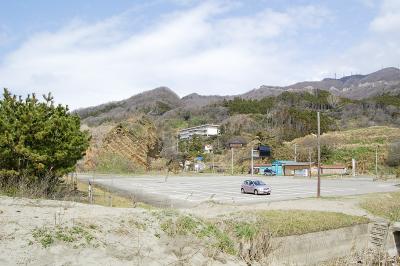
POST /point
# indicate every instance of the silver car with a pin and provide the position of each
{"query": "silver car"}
(256, 187)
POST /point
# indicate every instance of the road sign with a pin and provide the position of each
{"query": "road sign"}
(256, 154)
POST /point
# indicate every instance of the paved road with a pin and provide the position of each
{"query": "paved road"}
(191, 190)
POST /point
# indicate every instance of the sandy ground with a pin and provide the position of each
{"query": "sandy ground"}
(121, 236)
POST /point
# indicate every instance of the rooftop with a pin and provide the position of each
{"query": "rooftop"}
(283, 162)
(197, 127)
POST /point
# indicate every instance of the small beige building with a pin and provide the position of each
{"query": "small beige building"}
(330, 170)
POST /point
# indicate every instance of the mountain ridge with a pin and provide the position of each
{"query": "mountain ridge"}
(162, 99)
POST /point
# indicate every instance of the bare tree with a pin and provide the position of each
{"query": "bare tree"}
(333, 100)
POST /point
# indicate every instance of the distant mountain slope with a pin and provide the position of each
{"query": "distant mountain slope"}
(156, 101)
(354, 86)
(163, 100)
(196, 100)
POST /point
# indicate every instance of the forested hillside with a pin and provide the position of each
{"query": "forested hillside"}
(280, 114)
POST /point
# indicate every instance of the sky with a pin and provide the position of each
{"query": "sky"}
(95, 51)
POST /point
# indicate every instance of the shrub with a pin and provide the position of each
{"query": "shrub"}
(39, 143)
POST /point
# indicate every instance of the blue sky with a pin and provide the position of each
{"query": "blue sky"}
(109, 50)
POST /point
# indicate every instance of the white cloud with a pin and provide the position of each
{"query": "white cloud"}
(388, 20)
(378, 47)
(201, 49)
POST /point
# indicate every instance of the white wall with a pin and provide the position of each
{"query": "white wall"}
(212, 131)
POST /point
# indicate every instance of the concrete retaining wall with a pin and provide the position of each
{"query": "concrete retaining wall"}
(312, 248)
(393, 240)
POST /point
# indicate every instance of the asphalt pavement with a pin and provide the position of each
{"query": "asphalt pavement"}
(185, 191)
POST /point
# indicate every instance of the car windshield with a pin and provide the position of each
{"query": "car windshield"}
(258, 183)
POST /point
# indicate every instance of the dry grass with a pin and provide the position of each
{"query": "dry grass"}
(355, 143)
(367, 257)
(247, 235)
(386, 205)
(104, 197)
(292, 222)
(366, 137)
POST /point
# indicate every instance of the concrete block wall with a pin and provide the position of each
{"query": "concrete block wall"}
(309, 249)
(393, 240)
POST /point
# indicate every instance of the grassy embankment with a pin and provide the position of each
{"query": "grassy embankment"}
(386, 205)
(339, 147)
(226, 233)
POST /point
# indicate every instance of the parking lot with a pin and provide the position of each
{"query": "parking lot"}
(191, 190)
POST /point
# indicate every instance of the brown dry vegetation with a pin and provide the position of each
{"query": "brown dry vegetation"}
(361, 144)
(124, 147)
(386, 205)
(366, 137)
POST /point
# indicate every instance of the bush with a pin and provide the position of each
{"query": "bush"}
(39, 143)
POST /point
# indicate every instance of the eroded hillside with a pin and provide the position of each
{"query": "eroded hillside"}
(129, 145)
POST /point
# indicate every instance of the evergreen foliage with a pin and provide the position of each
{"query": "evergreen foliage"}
(39, 143)
(193, 146)
(244, 106)
(317, 100)
(387, 99)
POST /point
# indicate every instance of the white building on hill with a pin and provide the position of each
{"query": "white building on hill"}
(203, 130)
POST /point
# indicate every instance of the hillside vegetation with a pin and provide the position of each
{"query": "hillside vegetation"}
(360, 144)
(281, 114)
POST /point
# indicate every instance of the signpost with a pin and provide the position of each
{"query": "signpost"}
(262, 151)
(252, 162)
(254, 154)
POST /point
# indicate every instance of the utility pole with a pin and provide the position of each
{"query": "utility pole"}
(232, 160)
(319, 156)
(252, 162)
(295, 152)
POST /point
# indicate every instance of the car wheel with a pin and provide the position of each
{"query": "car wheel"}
(242, 190)
(255, 192)
(268, 193)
